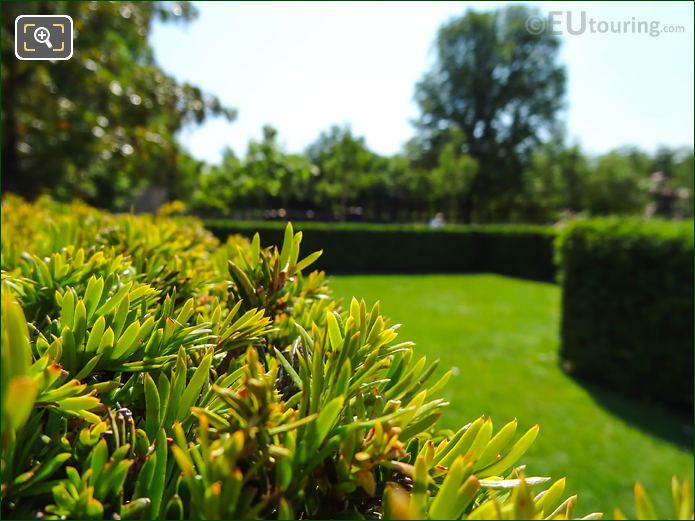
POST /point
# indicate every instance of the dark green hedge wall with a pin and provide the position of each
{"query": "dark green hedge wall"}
(519, 251)
(627, 310)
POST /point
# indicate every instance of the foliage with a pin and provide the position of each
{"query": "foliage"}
(517, 250)
(267, 177)
(69, 126)
(339, 178)
(615, 184)
(671, 183)
(344, 163)
(553, 182)
(628, 305)
(562, 180)
(681, 494)
(454, 175)
(502, 87)
(149, 372)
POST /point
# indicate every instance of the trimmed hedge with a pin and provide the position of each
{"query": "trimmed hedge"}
(516, 250)
(627, 311)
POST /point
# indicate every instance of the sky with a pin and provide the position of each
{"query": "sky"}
(305, 66)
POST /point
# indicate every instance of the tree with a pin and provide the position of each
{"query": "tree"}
(453, 178)
(671, 183)
(344, 162)
(274, 174)
(503, 87)
(220, 187)
(264, 166)
(683, 181)
(552, 182)
(397, 191)
(265, 178)
(616, 183)
(101, 124)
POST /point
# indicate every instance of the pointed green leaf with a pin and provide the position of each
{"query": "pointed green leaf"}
(511, 457)
(192, 392)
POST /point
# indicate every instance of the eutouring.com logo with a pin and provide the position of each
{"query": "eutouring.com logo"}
(577, 23)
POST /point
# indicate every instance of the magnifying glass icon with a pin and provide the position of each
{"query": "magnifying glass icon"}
(42, 35)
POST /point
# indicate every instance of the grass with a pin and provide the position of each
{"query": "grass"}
(501, 335)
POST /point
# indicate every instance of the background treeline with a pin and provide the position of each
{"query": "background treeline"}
(338, 177)
(488, 146)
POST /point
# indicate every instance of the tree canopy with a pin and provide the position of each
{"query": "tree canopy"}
(101, 124)
(502, 87)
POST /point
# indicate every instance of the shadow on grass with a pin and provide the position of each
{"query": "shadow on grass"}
(672, 425)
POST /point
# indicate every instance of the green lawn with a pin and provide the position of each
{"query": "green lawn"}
(502, 336)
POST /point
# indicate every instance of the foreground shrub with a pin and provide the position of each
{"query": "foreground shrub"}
(524, 251)
(627, 306)
(681, 495)
(150, 372)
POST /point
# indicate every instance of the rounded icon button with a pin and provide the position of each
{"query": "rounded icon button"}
(43, 37)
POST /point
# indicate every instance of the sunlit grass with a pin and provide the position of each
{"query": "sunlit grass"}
(501, 335)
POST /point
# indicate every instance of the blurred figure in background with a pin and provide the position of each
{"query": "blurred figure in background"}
(438, 220)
